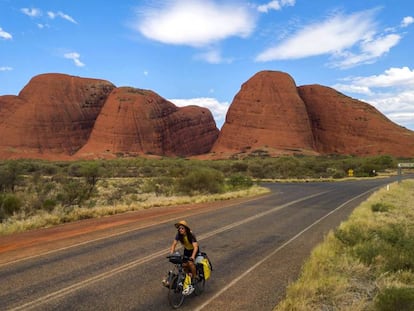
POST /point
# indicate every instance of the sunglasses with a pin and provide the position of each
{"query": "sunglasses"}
(181, 228)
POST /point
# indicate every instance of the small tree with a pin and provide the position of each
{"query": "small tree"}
(91, 172)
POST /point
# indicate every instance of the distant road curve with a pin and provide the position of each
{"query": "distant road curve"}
(116, 263)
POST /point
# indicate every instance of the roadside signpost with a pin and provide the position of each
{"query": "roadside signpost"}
(401, 166)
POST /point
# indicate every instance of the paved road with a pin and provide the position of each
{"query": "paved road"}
(257, 247)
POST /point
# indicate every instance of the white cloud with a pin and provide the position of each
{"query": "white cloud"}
(331, 36)
(370, 51)
(75, 57)
(391, 92)
(5, 35)
(399, 107)
(407, 21)
(195, 23)
(6, 68)
(213, 56)
(33, 12)
(41, 26)
(350, 40)
(357, 89)
(393, 77)
(275, 5)
(53, 15)
(218, 109)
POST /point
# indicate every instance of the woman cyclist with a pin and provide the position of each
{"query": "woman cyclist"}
(188, 240)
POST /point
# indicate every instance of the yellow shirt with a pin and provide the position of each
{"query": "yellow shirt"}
(186, 243)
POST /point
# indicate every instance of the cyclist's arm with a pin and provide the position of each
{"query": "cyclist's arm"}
(173, 245)
(195, 250)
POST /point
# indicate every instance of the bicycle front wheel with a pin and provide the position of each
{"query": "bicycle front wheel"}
(175, 292)
(199, 286)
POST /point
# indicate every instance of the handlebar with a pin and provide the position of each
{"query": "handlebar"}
(177, 258)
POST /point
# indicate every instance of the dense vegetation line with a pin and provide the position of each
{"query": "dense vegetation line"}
(367, 263)
(36, 193)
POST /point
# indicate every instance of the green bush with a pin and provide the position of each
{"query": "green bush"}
(392, 244)
(202, 181)
(9, 204)
(395, 298)
(73, 192)
(10, 176)
(381, 207)
(49, 204)
(398, 250)
(353, 235)
(240, 181)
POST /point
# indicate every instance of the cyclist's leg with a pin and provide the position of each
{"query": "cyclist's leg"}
(189, 265)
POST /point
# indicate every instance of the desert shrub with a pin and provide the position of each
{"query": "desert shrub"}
(74, 192)
(381, 207)
(73, 169)
(256, 170)
(49, 204)
(338, 174)
(395, 298)
(382, 162)
(239, 181)
(392, 244)
(352, 235)
(398, 250)
(159, 186)
(201, 181)
(239, 167)
(147, 171)
(10, 176)
(9, 204)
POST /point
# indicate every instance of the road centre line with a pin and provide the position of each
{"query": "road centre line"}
(234, 281)
(74, 287)
(67, 290)
(111, 236)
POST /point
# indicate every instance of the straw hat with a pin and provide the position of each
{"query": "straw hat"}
(182, 223)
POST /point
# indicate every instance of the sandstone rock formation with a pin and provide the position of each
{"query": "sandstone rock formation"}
(266, 113)
(58, 116)
(343, 125)
(269, 113)
(53, 115)
(135, 122)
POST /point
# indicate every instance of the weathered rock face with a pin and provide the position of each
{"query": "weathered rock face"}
(58, 116)
(135, 121)
(342, 125)
(270, 113)
(266, 113)
(54, 114)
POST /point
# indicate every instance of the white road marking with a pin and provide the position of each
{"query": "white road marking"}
(172, 219)
(273, 253)
(74, 287)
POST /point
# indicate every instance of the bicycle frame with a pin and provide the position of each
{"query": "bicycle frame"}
(176, 279)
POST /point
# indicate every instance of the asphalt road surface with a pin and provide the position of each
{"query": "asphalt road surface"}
(257, 247)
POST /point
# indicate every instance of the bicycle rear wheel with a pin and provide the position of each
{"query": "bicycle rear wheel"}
(175, 292)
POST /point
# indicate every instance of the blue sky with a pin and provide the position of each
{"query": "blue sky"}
(201, 51)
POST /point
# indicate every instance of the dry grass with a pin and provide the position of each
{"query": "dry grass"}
(342, 276)
(130, 202)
